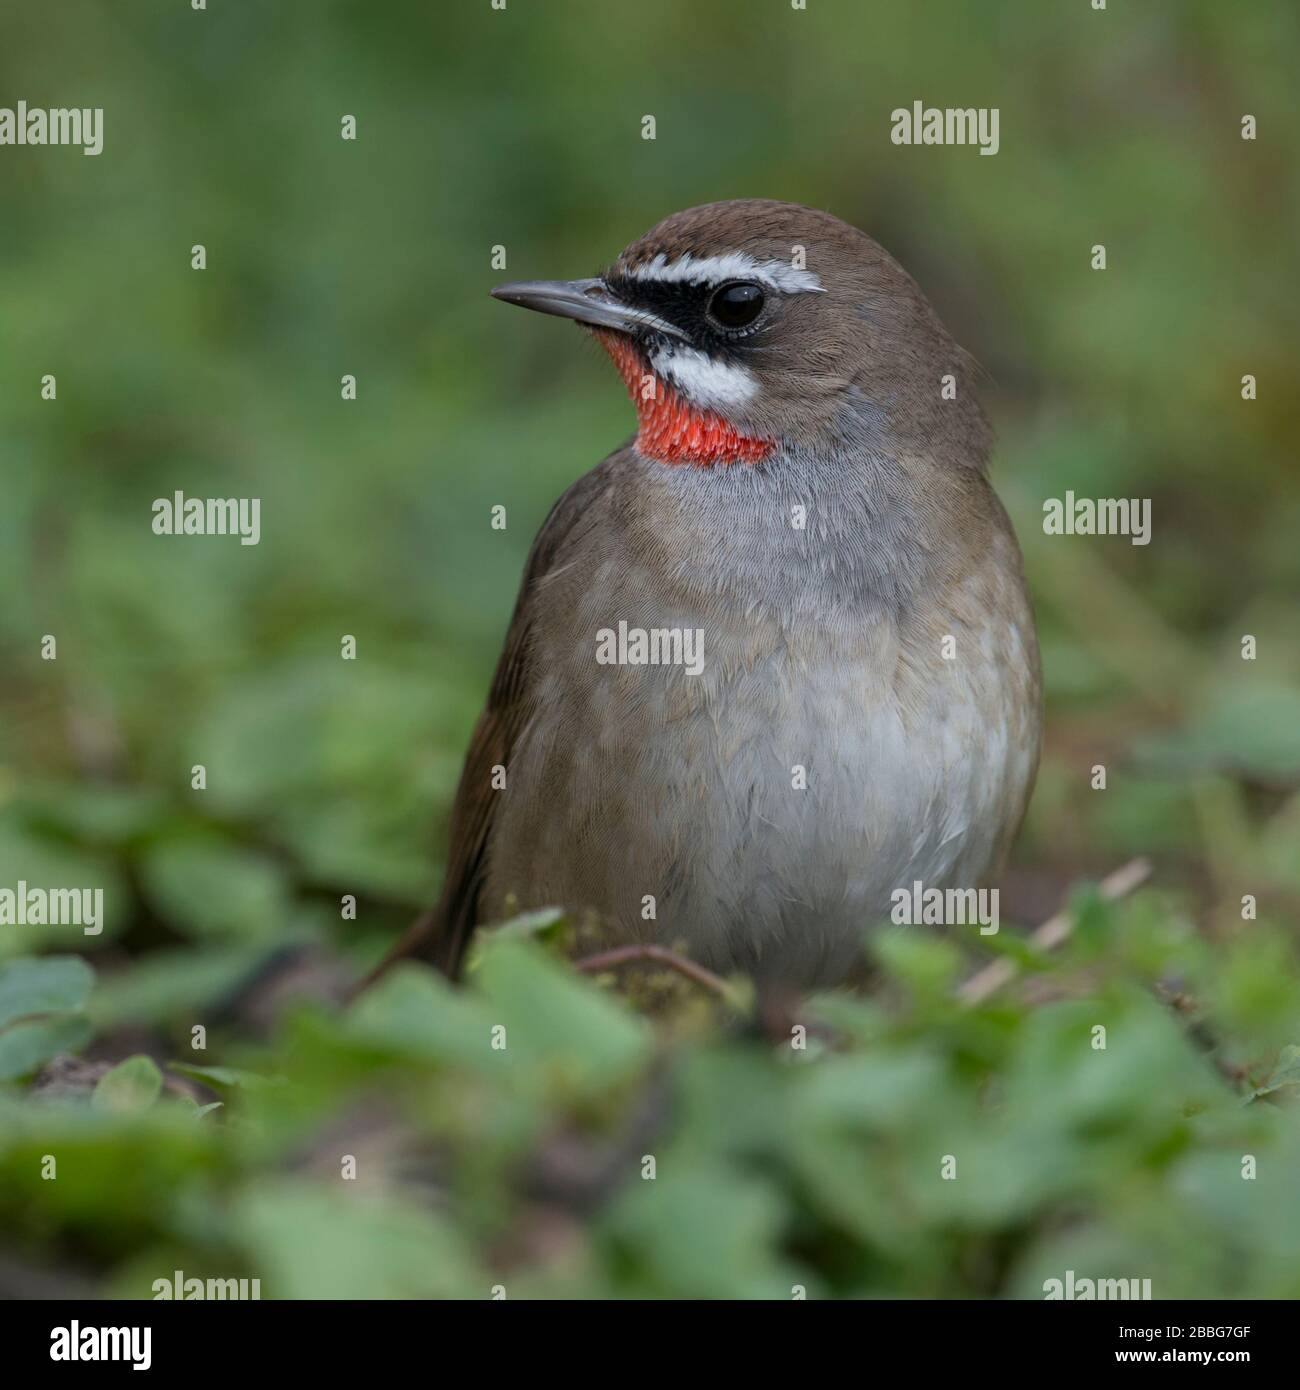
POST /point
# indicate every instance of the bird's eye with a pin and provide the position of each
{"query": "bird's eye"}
(736, 306)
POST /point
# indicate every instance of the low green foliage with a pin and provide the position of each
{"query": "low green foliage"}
(533, 1131)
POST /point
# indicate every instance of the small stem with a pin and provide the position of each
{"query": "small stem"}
(622, 955)
(1054, 931)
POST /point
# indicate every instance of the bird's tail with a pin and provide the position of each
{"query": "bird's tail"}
(418, 942)
(437, 937)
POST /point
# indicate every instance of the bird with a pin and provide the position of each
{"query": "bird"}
(773, 660)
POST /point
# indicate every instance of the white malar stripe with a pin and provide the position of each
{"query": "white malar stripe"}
(716, 385)
(734, 265)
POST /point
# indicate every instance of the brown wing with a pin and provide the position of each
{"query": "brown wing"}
(441, 935)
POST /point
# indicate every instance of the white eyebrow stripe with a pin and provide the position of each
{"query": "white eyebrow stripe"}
(734, 265)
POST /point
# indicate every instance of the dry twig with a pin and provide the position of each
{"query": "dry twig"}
(660, 955)
(1052, 933)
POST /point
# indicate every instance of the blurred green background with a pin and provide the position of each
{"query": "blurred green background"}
(522, 128)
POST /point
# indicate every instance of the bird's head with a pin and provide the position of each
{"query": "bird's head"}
(742, 326)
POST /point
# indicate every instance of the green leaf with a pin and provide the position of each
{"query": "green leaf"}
(29, 1045)
(222, 1078)
(43, 985)
(132, 1086)
(557, 1021)
(1285, 1073)
(99, 813)
(172, 984)
(881, 1089)
(1246, 725)
(40, 1001)
(345, 1243)
(414, 1012)
(208, 887)
(702, 1232)
(918, 956)
(45, 862)
(541, 925)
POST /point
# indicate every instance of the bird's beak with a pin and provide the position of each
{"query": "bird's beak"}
(587, 301)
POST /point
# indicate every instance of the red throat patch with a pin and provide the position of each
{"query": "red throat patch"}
(672, 430)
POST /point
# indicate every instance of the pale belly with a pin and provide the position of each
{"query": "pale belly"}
(761, 813)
